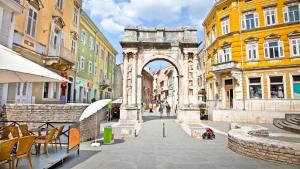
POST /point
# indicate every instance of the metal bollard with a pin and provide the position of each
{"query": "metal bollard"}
(164, 134)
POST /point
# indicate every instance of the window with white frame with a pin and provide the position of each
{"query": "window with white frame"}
(91, 43)
(295, 47)
(276, 87)
(224, 55)
(296, 86)
(208, 38)
(270, 16)
(225, 26)
(255, 90)
(55, 38)
(213, 33)
(90, 67)
(96, 48)
(59, 4)
(252, 51)
(75, 15)
(31, 21)
(73, 45)
(22, 89)
(81, 63)
(83, 37)
(291, 13)
(51, 90)
(273, 50)
(250, 20)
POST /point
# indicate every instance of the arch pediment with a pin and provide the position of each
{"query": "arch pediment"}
(251, 39)
(295, 33)
(37, 4)
(272, 36)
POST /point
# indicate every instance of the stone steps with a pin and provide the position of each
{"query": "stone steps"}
(292, 124)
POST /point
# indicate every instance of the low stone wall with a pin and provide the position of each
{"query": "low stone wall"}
(68, 113)
(245, 141)
(245, 116)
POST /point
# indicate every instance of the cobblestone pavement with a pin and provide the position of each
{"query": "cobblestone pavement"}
(177, 151)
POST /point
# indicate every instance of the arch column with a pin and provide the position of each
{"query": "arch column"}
(195, 81)
(139, 97)
(125, 79)
(134, 80)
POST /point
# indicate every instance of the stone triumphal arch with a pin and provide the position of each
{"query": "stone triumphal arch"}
(178, 46)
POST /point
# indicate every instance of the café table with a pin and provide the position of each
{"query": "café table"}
(39, 130)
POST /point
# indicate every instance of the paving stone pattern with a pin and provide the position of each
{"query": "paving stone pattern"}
(177, 151)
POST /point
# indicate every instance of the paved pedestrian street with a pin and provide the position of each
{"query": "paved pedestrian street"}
(176, 151)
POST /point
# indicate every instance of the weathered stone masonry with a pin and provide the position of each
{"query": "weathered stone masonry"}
(245, 141)
(54, 113)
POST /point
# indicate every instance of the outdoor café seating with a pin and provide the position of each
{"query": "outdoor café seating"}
(23, 149)
(57, 139)
(46, 140)
(6, 148)
(24, 129)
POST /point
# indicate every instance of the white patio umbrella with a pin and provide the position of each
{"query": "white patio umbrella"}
(15, 68)
(93, 108)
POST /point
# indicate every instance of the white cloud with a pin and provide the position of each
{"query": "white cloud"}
(114, 15)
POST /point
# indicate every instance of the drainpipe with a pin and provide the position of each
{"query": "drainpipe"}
(241, 53)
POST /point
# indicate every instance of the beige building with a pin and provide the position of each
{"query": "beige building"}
(46, 33)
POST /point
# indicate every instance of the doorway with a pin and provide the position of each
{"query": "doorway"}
(229, 93)
(70, 89)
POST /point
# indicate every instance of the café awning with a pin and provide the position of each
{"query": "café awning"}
(15, 68)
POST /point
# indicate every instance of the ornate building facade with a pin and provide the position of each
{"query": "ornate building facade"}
(252, 55)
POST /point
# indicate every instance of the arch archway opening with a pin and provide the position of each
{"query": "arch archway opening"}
(160, 89)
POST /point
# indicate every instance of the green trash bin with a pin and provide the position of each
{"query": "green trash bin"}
(107, 135)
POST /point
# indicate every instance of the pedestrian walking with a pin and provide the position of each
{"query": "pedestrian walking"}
(168, 109)
(161, 110)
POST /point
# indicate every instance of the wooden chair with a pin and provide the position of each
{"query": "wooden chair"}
(5, 133)
(45, 140)
(6, 149)
(24, 130)
(23, 149)
(15, 131)
(57, 137)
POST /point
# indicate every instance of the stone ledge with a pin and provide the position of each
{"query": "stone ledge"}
(245, 141)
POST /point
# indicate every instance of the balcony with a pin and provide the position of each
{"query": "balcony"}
(61, 58)
(221, 67)
(104, 83)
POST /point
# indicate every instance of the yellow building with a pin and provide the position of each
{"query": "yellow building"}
(252, 55)
(46, 33)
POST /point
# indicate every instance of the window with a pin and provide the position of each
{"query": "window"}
(91, 43)
(225, 26)
(273, 49)
(96, 49)
(95, 69)
(51, 90)
(75, 15)
(82, 63)
(73, 45)
(31, 22)
(296, 86)
(224, 55)
(22, 89)
(252, 51)
(107, 95)
(208, 38)
(83, 37)
(214, 35)
(255, 91)
(291, 13)
(59, 4)
(90, 67)
(295, 47)
(55, 38)
(250, 21)
(270, 16)
(276, 87)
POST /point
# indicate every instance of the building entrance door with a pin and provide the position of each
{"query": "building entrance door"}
(229, 93)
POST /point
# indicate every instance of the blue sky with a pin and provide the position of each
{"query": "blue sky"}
(112, 16)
